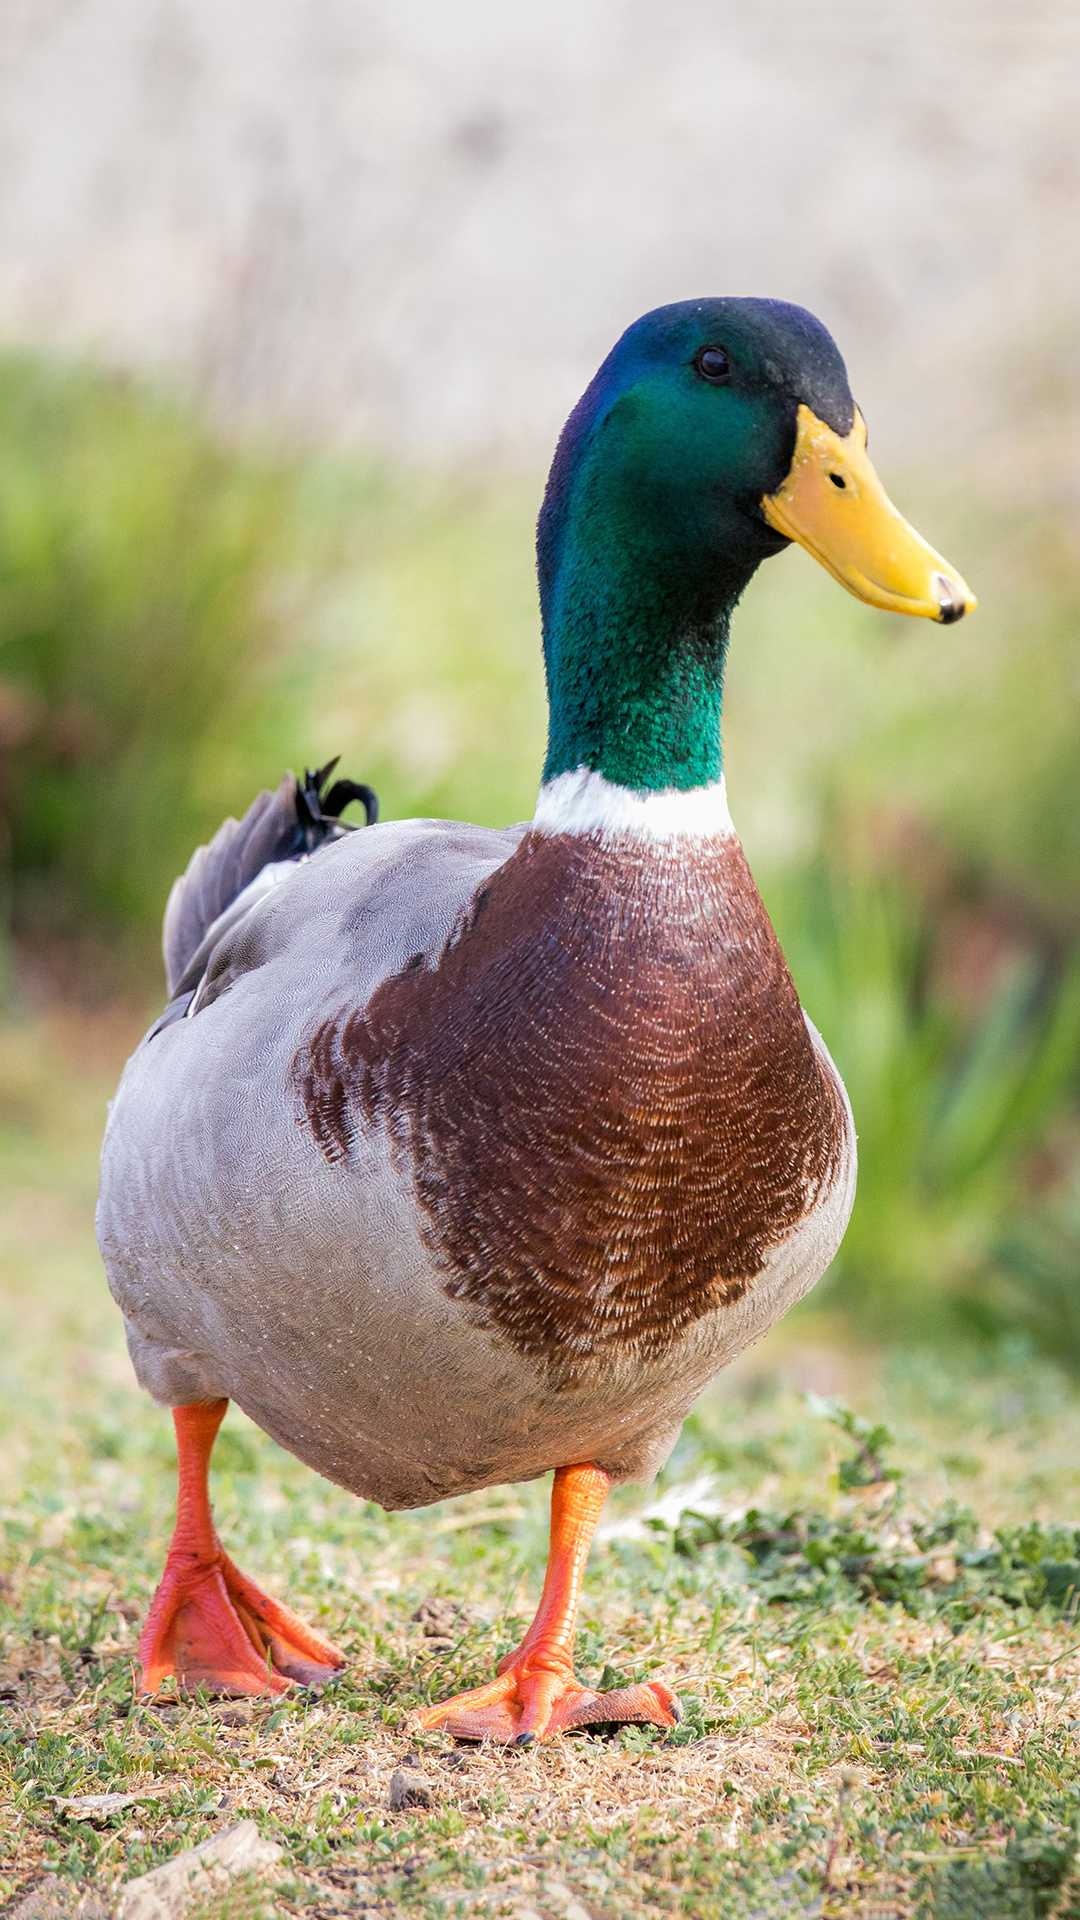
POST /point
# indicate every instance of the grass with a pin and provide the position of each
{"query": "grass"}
(861, 1570)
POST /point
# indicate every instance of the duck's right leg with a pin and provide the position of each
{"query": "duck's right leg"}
(208, 1624)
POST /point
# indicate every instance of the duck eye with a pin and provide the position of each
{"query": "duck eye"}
(713, 365)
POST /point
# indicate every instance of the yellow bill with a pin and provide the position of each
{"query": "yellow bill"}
(834, 505)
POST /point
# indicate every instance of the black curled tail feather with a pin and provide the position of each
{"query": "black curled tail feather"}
(290, 823)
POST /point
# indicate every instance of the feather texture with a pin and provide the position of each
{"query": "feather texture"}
(288, 824)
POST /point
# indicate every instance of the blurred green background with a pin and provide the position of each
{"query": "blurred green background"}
(180, 618)
(293, 314)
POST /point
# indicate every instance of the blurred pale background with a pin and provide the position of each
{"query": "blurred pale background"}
(418, 227)
(294, 300)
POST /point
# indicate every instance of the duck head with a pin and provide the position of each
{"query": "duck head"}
(715, 433)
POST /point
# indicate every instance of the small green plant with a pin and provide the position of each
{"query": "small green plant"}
(866, 1467)
(936, 1561)
(941, 1562)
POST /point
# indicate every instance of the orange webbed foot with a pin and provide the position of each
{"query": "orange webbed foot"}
(532, 1700)
(536, 1693)
(208, 1624)
(212, 1627)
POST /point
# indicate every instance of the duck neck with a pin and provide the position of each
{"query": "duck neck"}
(635, 642)
(639, 575)
(635, 681)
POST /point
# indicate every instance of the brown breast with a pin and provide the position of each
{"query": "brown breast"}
(604, 1087)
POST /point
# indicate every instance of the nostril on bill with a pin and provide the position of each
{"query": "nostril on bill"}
(950, 601)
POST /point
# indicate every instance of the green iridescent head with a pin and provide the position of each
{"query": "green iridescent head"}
(714, 433)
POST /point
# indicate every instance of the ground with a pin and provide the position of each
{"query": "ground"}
(858, 1570)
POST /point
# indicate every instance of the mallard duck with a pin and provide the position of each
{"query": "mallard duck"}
(462, 1155)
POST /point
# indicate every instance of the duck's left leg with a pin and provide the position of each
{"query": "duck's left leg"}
(208, 1624)
(536, 1693)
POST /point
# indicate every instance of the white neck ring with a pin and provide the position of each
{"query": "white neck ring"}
(584, 802)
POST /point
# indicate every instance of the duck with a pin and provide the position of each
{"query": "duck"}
(461, 1154)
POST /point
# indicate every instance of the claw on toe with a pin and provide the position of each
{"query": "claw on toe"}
(525, 1704)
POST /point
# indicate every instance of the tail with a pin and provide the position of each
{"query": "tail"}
(289, 824)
